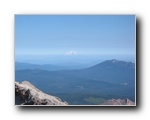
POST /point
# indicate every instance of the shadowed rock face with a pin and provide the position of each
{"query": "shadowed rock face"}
(118, 102)
(27, 94)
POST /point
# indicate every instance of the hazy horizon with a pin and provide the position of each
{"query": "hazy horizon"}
(80, 59)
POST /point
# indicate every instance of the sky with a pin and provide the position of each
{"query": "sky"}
(83, 34)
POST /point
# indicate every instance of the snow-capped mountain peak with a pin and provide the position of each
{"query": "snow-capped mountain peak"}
(71, 52)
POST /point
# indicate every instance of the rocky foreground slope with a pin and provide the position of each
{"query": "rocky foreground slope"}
(118, 102)
(27, 94)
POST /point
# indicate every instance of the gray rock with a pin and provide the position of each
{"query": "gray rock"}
(118, 102)
(27, 94)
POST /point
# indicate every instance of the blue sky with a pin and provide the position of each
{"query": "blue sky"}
(85, 34)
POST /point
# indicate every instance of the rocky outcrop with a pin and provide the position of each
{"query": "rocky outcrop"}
(27, 94)
(118, 102)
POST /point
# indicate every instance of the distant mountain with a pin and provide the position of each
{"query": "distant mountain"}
(21, 66)
(50, 67)
(71, 53)
(113, 71)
